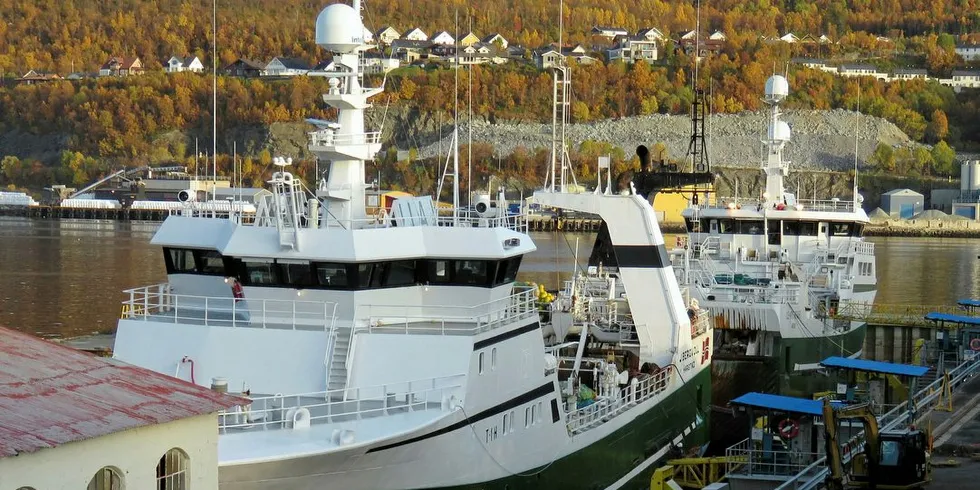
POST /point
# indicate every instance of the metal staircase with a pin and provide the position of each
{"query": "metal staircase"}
(337, 361)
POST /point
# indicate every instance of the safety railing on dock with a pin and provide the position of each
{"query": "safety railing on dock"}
(744, 459)
(288, 411)
(158, 303)
(892, 314)
(604, 409)
(453, 320)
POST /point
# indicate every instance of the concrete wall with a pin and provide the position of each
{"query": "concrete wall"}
(135, 453)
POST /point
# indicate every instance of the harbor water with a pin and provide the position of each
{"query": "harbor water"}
(64, 278)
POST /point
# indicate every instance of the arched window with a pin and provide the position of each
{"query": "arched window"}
(107, 478)
(172, 470)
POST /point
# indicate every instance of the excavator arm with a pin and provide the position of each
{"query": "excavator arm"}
(831, 417)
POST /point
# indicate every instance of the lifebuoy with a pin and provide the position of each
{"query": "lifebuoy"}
(789, 428)
(975, 344)
(236, 291)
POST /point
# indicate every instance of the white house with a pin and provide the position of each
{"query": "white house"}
(689, 35)
(651, 34)
(443, 37)
(966, 79)
(547, 58)
(910, 74)
(386, 35)
(823, 39)
(633, 49)
(861, 71)
(497, 39)
(378, 63)
(969, 52)
(789, 38)
(415, 34)
(176, 64)
(610, 32)
(718, 36)
(72, 420)
(282, 66)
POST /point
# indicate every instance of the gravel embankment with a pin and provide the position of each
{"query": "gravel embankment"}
(821, 139)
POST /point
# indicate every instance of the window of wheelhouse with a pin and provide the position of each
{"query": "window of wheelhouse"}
(210, 262)
(370, 275)
(296, 274)
(471, 273)
(750, 227)
(726, 226)
(400, 273)
(179, 260)
(438, 272)
(507, 270)
(858, 230)
(259, 273)
(840, 229)
(775, 238)
(332, 275)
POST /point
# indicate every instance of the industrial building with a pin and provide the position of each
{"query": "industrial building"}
(968, 203)
(69, 419)
(902, 203)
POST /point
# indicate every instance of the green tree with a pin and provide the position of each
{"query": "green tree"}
(944, 158)
(938, 126)
(883, 158)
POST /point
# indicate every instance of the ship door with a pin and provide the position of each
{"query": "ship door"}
(822, 235)
(713, 227)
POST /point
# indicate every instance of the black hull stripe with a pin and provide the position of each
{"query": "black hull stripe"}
(641, 256)
(545, 389)
(506, 335)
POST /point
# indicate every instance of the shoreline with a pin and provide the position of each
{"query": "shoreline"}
(907, 229)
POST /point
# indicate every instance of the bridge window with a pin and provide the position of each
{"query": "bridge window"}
(370, 275)
(332, 275)
(210, 262)
(438, 271)
(750, 227)
(840, 229)
(471, 272)
(401, 273)
(260, 273)
(507, 270)
(179, 260)
(726, 226)
(297, 274)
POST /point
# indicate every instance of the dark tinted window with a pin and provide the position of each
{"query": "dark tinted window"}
(260, 274)
(808, 228)
(471, 272)
(726, 226)
(296, 274)
(840, 229)
(401, 273)
(439, 272)
(858, 229)
(180, 260)
(791, 228)
(507, 270)
(332, 275)
(210, 262)
(750, 227)
(370, 275)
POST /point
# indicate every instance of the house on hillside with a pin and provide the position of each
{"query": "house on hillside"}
(718, 36)
(282, 66)
(691, 42)
(966, 79)
(483, 53)
(408, 51)
(34, 76)
(243, 67)
(386, 35)
(375, 62)
(861, 70)
(176, 64)
(910, 74)
(789, 38)
(469, 39)
(443, 37)
(415, 34)
(969, 52)
(497, 39)
(633, 48)
(609, 32)
(121, 66)
(549, 56)
(651, 34)
(69, 419)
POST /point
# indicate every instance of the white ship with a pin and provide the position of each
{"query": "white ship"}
(397, 351)
(775, 272)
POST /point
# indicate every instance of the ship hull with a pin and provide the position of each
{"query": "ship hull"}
(597, 465)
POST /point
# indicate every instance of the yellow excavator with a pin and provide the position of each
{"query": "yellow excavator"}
(892, 460)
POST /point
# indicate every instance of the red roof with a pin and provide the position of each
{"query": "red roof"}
(51, 394)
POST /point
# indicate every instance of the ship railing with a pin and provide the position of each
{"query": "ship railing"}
(340, 405)
(329, 138)
(464, 219)
(453, 320)
(604, 409)
(831, 205)
(785, 294)
(158, 303)
(700, 323)
(744, 459)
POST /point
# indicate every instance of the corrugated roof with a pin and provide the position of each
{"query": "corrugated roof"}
(780, 403)
(874, 366)
(946, 317)
(51, 395)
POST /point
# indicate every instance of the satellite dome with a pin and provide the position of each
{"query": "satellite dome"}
(779, 131)
(777, 88)
(339, 28)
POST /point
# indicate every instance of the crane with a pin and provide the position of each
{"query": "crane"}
(892, 460)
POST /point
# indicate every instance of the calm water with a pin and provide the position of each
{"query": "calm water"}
(65, 278)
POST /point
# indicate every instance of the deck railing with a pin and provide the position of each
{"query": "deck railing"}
(604, 409)
(158, 303)
(280, 411)
(453, 320)
(745, 459)
(329, 138)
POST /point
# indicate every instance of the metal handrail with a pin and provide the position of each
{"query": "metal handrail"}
(157, 303)
(272, 412)
(328, 138)
(445, 320)
(604, 409)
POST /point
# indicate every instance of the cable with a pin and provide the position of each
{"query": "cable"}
(498, 463)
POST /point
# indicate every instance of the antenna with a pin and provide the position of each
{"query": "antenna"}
(469, 122)
(214, 94)
(697, 46)
(456, 129)
(857, 129)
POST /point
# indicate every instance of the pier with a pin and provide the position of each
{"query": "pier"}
(58, 212)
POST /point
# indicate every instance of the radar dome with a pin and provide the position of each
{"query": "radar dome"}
(339, 28)
(779, 131)
(777, 88)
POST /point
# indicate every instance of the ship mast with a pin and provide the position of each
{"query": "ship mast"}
(777, 88)
(346, 145)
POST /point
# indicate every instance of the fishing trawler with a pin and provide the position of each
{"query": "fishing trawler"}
(775, 272)
(397, 351)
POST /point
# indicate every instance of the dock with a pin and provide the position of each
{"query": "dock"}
(58, 212)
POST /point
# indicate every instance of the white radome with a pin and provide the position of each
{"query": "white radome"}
(777, 88)
(779, 131)
(339, 28)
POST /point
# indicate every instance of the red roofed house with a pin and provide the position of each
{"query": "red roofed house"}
(119, 66)
(72, 420)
